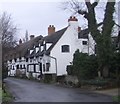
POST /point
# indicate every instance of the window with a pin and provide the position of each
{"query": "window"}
(30, 60)
(65, 48)
(26, 59)
(20, 66)
(34, 68)
(24, 67)
(47, 66)
(15, 60)
(20, 58)
(13, 68)
(84, 42)
(17, 66)
(43, 67)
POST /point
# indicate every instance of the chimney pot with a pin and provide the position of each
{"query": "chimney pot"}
(32, 37)
(79, 29)
(72, 18)
(20, 41)
(51, 29)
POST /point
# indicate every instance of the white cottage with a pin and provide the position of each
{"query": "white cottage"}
(16, 58)
(50, 54)
(54, 52)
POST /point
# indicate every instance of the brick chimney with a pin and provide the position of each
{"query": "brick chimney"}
(20, 41)
(73, 23)
(79, 29)
(32, 37)
(51, 29)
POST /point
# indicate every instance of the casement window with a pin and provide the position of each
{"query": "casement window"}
(20, 58)
(13, 68)
(65, 48)
(26, 59)
(84, 42)
(43, 67)
(17, 66)
(20, 66)
(34, 68)
(15, 60)
(30, 60)
(24, 67)
(47, 66)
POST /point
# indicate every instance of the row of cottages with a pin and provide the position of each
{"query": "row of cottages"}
(50, 54)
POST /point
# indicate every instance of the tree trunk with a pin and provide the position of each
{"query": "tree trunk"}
(105, 72)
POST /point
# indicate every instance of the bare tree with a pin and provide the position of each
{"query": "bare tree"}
(7, 39)
(8, 30)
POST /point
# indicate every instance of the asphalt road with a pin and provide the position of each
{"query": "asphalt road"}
(30, 91)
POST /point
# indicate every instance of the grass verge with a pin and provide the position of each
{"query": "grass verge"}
(116, 98)
(6, 96)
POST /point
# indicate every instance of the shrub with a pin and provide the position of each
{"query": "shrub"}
(61, 79)
(69, 69)
(84, 66)
(47, 78)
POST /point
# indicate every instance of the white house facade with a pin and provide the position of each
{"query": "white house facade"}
(51, 54)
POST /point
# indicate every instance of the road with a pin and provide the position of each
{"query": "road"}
(32, 91)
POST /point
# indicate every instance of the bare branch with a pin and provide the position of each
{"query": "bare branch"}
(8, 30)
(95, 3)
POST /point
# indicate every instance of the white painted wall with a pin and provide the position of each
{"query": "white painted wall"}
(70, 37)
(13, 64)
(60, 60)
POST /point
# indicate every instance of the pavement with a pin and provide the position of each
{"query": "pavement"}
(30, 91)
(110, 92)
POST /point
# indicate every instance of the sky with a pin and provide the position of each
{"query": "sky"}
(36, 15)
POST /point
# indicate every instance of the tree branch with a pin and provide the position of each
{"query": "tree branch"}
(95, 3)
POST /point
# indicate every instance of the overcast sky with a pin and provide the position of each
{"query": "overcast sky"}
(36, 15)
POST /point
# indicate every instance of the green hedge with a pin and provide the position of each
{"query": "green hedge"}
(6, 97)
(47, 78)
(94, 82)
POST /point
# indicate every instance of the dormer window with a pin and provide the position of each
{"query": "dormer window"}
(31, 51)
(65, 48)
(41, 48)
(43, 42)
(37, 49)
(48, 45)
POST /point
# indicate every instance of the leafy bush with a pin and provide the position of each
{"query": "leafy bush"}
(69, 69)
(95, 82)
(116, 98)
(61, 79)
(4, 71)
(84, 66)
(6, 95)
(115, 66)
(47, 78)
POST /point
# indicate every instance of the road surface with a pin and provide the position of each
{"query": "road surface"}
(31, 91)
